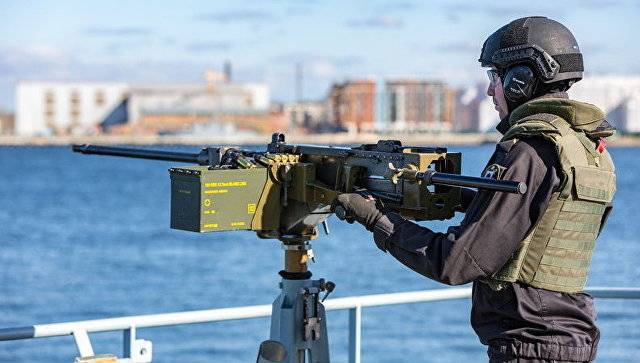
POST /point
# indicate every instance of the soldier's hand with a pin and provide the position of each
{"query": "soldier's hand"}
(356, 207)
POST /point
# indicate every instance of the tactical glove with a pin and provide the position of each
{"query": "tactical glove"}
(354, 206)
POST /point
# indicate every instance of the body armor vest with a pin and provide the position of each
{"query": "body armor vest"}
(556, 253)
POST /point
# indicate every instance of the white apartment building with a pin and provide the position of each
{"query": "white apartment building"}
(43, 108)
(617, 96)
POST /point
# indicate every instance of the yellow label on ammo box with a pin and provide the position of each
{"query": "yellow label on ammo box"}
(251, 208)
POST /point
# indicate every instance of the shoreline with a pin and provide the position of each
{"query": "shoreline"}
(461, 139)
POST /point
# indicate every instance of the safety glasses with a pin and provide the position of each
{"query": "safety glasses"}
(494, 77)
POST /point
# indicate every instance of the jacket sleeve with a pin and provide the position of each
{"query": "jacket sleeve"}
(493, 227)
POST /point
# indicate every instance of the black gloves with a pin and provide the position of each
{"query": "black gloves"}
(354, 206)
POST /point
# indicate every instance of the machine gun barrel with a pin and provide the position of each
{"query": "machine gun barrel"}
(201, 158)
(432, 177)
(455, 180)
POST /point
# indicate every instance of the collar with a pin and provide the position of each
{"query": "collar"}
(580, 115)
(505, 123)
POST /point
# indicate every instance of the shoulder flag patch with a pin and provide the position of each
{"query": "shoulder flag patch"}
(493, 171)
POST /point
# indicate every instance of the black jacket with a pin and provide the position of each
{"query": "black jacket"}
(519, 320)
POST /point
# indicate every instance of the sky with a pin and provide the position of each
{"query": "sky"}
(174, 42)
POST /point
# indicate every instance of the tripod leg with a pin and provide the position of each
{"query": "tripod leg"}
(298, 322)
(319, 351)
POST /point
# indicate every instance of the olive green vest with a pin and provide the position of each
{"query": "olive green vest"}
(556, 253)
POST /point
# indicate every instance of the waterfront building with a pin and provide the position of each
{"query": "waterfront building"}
(418, 105)
(7, 122)
(352, 105)
(45, 108)
(308, 116)
(618, 96)
(467, 103)
(62, 108)
(402, 104)
(157, 109)
(475, 111)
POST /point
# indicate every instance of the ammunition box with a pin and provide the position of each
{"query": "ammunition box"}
(204, 200)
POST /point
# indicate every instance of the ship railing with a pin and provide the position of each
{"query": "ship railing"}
(140, 350)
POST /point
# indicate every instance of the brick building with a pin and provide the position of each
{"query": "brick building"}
(412, 104)
(353, 105)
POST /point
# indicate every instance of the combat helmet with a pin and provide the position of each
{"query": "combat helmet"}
(544, 44)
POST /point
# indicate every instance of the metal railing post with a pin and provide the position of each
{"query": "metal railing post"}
(355, 327)
(128, 341)
(82, 342)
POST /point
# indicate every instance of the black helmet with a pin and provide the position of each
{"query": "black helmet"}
(542, 43)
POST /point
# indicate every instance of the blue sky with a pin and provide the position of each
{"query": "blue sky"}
(161, 41)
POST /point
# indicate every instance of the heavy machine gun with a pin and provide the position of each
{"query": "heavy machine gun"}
(286, 191)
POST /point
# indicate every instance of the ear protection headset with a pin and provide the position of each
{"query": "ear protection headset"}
(519, 84)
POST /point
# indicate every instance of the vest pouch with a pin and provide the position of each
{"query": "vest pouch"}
(566, 256)
(593, 184)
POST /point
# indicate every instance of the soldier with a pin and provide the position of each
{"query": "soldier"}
(527, 255)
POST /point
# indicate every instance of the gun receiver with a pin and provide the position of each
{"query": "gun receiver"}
(287, 190)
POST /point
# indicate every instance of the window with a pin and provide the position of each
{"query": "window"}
(393, 109)
(99, 98)
(75, 98)
(49, 106)
(49, 97)
(75, 107)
